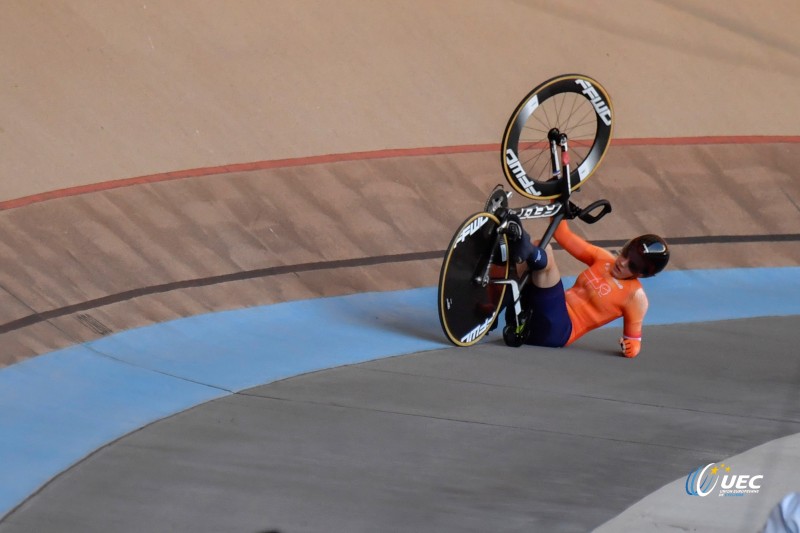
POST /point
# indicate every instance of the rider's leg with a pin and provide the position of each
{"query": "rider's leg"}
(526, 252)
(527, 256)
(549, 276)
(522, 248)
(544, 301)
(550, 323)
(544, 318)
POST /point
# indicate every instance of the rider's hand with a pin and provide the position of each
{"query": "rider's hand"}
(630, 347)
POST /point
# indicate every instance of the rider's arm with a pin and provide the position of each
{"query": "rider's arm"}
(632, 316)
(576, 246)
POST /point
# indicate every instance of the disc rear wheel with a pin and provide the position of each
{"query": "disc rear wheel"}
(467, 309)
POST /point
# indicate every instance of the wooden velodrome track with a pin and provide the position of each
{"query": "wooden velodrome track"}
(166, 159)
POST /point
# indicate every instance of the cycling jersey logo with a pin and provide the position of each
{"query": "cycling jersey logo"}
(597, 283)
(703, 480)
(599, 104)
(522, 178)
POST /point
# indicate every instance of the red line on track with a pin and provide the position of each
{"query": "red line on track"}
(719, 139)
(360, 156)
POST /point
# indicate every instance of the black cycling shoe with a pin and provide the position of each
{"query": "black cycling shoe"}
(514, 335)
(519, 240)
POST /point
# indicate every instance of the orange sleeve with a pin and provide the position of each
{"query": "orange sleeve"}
(632, 317)
(633, 314)
(576, 246)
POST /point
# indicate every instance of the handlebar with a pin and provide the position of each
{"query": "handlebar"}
(586, 215)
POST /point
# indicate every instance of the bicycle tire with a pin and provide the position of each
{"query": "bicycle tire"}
(575, 104)
(466, 309)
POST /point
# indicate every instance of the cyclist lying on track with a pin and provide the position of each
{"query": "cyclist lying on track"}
(605, 291)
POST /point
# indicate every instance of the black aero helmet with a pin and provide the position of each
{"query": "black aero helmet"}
(647, 255)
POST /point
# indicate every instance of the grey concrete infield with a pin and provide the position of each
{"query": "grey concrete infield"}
(482, 439)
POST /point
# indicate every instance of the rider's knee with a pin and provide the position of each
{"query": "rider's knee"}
(551, 261)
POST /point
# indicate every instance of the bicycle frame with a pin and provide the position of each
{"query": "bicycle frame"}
(471, 287)
(556, 212)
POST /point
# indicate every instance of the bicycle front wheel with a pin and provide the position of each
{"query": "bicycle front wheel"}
(576, 105)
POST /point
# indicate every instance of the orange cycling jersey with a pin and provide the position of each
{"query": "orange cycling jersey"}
(597, 297)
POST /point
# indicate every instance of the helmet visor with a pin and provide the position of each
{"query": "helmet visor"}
(640, 256)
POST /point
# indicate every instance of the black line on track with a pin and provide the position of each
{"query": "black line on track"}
(330, 265)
